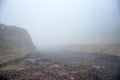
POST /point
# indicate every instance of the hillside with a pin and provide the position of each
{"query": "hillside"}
(14, 42)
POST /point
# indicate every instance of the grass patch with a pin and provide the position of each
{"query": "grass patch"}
(54, 66)
(13, 67)
(107, 49)
(9, 57)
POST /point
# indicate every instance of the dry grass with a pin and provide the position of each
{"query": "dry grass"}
(9, 57)
(63, 73)
(13, 66)
(109, 49)
(54, 66)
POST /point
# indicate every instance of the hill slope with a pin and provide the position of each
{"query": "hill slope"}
(14, 40)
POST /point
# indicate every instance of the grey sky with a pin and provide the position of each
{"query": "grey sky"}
(58, 22)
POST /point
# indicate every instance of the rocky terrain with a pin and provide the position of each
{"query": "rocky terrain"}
(20, 61)
(64, 65)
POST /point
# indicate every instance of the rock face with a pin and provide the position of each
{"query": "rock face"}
(14, 40)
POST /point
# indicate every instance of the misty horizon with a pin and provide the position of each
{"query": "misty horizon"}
(59, 39)
(65, 22)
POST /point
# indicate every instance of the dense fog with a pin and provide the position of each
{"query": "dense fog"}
(59, 39)
(63, 22)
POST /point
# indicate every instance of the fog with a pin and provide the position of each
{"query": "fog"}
(63, 22)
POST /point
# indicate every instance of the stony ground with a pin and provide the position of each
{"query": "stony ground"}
(65, 65)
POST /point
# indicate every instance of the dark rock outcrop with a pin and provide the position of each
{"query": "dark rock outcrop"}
(14, 40)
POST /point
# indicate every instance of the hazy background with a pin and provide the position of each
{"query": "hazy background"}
(62, 22)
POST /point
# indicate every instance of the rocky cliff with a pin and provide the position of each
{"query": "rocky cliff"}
(14, 40)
